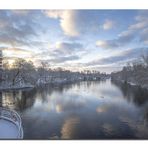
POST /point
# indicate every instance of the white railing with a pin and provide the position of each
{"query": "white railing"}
(14, 117)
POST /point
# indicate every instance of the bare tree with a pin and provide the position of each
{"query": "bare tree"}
(145, 59)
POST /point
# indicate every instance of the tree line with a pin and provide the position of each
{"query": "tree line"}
(135, 72)
(23, 72)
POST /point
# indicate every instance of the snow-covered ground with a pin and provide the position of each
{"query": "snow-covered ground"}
(39, 82)
(8, 130)
(132, 83)
(8, 87)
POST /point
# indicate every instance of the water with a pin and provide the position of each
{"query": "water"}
(85, 110)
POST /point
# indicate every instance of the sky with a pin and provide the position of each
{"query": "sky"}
(104, 40)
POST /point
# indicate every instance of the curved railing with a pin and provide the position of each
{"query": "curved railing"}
(14, 117)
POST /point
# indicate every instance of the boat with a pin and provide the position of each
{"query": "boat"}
(10, 124)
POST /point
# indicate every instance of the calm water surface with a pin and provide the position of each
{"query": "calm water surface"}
(85, 110)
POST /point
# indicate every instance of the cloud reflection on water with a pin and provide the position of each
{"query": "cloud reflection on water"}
(70, 128)
(87, 110)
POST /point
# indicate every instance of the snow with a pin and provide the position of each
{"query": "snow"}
(133, 84)
(7, 87)
(8, 130)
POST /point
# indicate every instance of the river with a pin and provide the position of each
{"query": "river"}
(84, 110)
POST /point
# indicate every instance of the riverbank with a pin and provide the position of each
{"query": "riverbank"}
(131, 83)
(41, 84)
(15, 87)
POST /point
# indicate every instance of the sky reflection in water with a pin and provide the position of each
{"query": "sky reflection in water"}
(85, 110)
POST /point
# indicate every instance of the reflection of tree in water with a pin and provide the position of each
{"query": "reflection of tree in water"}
(45, 90)
(135, 94)
(0, 99)
(146, 117)
(18, 100)
(26, 99)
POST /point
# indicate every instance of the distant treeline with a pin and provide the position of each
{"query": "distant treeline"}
(23, 72)
(135, 73)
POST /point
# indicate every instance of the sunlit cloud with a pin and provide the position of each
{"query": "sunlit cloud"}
(106, 44)
(67, 20)
(75, 23)
(75, 39)
(108, 24)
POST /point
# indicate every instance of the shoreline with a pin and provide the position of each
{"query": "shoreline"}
(15, 88)
(130, 83)
(56, 83)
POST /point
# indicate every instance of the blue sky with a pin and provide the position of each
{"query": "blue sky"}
(103, 40)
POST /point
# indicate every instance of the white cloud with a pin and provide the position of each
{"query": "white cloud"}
(20, 12)
(68, 45)
(67, 20)
(66, 51)
(139, 25)
(109, 24)
(16, 29)
(76, 22)
(54, 13)
(102, 43)
(135, 32)
(107, 44)
(121, 56)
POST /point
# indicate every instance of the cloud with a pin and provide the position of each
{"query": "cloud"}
(135, 32)
(144, 36)
(21, 12)
(108, 44)
(56, 56)
(122, 56)
(68, 47)
(123, 39)
(54, 13)
(69, 23)
(17, 27)
(75, 22)
(62, 59)
(16, 52)
(14, 49)
(67, 20)
(142, 20)
(108, 24)
(63, 52)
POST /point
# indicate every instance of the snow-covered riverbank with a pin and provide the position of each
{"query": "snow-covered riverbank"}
(14, 87)
(131, 83)
(57, 82)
